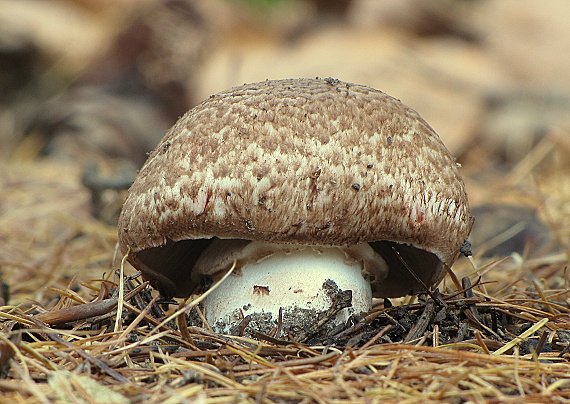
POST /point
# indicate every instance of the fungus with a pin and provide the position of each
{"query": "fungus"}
(295, 181)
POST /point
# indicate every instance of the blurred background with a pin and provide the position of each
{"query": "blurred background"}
(88, 87)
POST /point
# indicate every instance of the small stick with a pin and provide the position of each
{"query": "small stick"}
(77, 313)
(182, 324)
(423, 322)
(84, 311)
(467, 287)
(540, 345)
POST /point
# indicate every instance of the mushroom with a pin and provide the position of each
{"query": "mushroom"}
(324, 194)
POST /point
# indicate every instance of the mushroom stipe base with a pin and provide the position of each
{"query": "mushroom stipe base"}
(291, 290)
(293, 322)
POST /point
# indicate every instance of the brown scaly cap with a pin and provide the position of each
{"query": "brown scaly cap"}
(302, 161)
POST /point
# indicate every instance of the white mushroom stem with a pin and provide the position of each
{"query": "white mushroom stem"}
(289, 277)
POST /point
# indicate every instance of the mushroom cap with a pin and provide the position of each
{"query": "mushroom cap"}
(297, 161)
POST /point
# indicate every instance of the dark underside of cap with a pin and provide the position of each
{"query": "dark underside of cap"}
(169, 268)
(410, 269)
